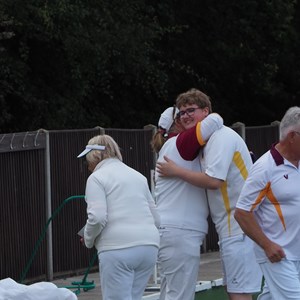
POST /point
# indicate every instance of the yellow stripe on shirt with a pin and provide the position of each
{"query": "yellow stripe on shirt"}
(199, 134)
(277, 206)
(267, 192)
(224, 193)
(240, 164)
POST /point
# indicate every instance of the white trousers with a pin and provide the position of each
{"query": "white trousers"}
(124, 273)
(179, 260)
(282, 280)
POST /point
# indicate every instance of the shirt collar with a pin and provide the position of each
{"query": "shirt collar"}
(278, 158)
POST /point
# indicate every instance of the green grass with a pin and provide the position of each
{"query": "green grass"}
(215, 293)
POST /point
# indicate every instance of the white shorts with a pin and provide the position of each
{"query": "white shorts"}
(241, 272)
(282, 280)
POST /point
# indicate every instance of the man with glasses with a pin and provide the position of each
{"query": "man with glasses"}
(189, 112)
(225, 161)
(268, 211)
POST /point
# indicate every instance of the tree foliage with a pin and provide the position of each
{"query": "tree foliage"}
(83, 63)
(236, 48)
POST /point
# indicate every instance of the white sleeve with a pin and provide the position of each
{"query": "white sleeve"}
(190, 141)
(208, 126)
(96, 211)
(219, 153)
(154, 210)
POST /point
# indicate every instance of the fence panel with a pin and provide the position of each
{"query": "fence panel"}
(22, 205)
(135, 148)
(68, 178)
(23, 193)
(260, 139)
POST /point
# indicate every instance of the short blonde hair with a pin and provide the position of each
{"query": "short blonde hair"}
(111, 150)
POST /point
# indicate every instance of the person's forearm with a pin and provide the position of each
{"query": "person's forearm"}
(170, 169)
(247, 221)
(250, 227)
(198, 179)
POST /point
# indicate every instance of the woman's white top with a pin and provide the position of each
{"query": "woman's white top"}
(121, 210)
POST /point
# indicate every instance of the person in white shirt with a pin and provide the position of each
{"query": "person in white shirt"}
(268, 211)
(182, 207)
(121, 221)
(225, 162)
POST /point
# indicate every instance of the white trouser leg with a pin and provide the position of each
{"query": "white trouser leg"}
(124, 273)
(179, 258)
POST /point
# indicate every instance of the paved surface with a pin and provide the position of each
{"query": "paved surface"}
(210, 270)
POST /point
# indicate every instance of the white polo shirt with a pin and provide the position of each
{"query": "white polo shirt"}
(226, 157)
(272, 192)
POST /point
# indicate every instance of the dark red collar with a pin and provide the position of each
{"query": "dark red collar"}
(276, 155)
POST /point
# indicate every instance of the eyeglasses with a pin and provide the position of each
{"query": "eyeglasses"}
(188, 111)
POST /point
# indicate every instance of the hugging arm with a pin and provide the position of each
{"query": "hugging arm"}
(200, 179)
(188, 144)
(190, 141)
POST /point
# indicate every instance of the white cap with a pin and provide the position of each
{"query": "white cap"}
(89, 148)
(167, 118)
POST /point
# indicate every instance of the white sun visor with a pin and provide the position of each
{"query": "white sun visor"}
(89, 148)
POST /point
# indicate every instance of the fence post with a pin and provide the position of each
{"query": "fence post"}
(101, 129)
(154, 129)
(276, 123)
(152, 187)
(48, 208)
(240, 128)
